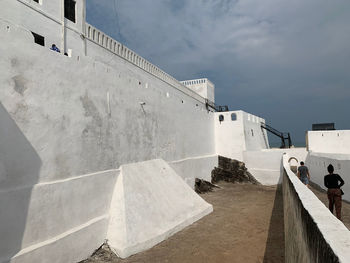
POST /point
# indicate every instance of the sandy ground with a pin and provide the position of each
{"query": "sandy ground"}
(322, 195)
(246, 226)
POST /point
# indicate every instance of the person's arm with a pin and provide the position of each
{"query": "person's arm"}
(325, 182)
(298, 174)
(341, 181)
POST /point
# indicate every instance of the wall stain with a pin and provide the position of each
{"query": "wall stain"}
(14, 62)
(91, 109)
(19, 84)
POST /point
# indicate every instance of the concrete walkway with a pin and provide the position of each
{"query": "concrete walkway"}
(246, 226)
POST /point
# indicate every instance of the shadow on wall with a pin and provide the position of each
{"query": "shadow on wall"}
(19, 171)
(274, 251)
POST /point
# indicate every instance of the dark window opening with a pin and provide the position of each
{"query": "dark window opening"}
(221, 118)
(36, 1)
(233, 116)
(69, 10)
(40, 40)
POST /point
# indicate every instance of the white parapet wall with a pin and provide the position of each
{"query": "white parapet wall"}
(312, 233)
(337, 141)
(151, 202)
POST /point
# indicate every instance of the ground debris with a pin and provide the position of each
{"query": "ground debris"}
(233, 171)
(103, 254)
(202, 186)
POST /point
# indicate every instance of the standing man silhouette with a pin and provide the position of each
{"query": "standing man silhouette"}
(303, 174)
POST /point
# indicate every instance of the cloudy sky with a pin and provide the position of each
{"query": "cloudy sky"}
(286, 61)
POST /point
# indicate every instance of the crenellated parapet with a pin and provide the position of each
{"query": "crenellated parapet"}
(107, 42)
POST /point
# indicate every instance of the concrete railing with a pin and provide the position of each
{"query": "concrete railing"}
(312, 233)
(100, 38)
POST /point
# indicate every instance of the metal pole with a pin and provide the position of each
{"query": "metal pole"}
(63, 33)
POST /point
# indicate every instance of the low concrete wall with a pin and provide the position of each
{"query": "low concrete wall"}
(43, 222)
(312, 233)
(265, 165)
(318, 162)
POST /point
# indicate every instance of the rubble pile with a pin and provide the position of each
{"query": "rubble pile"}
(233, 171)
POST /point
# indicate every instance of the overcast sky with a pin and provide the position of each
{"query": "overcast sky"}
(286, 61)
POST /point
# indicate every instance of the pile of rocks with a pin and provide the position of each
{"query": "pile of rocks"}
(233, 171)
(202, 186)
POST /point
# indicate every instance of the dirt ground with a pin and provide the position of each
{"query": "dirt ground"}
(322, 195)
(246, 226)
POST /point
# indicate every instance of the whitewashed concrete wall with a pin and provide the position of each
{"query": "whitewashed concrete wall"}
(233, 137)
(265, 165)
(199, 167)
(318, 162)
(312, 233)
(337, 141)
(76, 119)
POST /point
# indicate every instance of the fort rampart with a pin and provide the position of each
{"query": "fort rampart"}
(312, 233)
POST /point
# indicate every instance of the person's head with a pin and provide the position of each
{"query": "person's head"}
(53, 45)
(330, 169)
(301, 163)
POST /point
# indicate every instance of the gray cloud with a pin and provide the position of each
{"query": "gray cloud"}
(287, 61)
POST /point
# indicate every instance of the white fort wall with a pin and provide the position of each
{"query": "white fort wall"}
(329, 147)
(68, 123)
(66, 120)
(266, 164)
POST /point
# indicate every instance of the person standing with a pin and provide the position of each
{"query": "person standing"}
(334, 193)
(303, 174)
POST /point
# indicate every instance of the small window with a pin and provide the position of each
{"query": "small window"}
(69, 10)
(252, 132)
(221, 118)
(38, 39)
(233, 116)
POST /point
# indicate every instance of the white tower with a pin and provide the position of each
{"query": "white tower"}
(204, 87)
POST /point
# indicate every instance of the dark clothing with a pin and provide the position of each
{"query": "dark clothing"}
(334, 198)
(54, 48)
(303, 171)
(331, 181)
